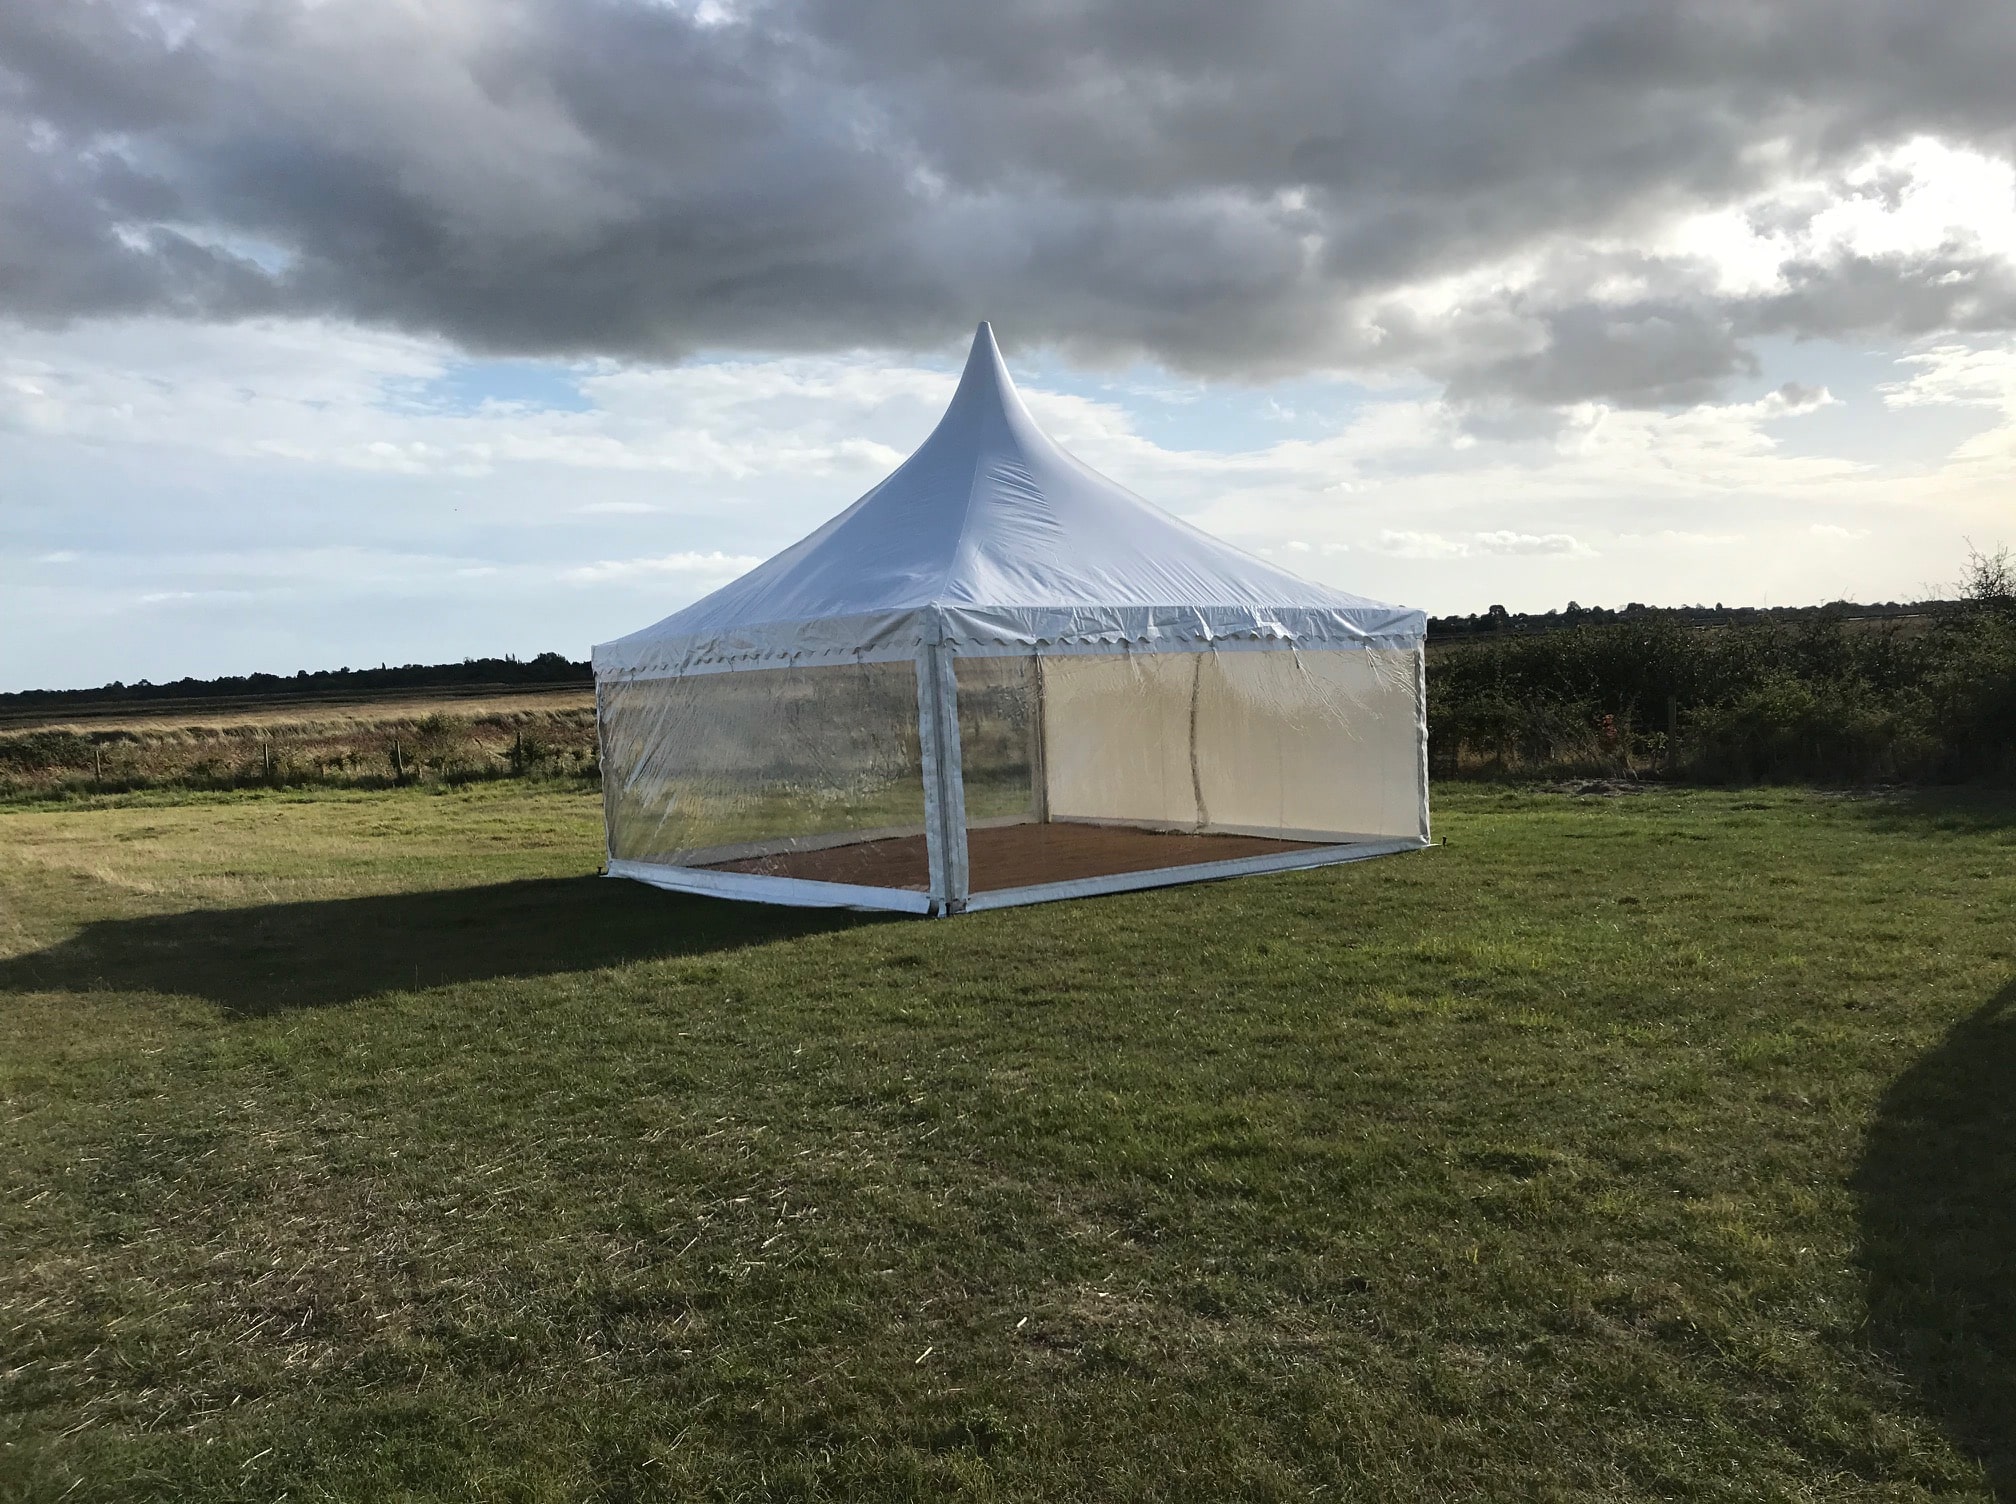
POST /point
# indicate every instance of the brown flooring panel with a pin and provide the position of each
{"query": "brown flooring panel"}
(897, 862)
(1016, 856)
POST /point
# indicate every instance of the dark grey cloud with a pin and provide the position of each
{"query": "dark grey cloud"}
(1242, 190)
(1645, 353)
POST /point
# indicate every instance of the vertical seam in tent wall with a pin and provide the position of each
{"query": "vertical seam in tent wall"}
(1197, 772)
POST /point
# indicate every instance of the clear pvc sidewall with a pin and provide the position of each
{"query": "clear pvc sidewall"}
(712, 768)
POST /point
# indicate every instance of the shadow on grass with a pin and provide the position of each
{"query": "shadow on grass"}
(305, 955)
(1937, 1188)
(1939, 812)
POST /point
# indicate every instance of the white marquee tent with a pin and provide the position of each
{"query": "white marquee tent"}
(1000, 678)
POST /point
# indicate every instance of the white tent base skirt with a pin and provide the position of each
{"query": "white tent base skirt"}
(805, 893)
(797, 892)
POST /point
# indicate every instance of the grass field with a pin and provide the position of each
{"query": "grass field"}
(366, 1146)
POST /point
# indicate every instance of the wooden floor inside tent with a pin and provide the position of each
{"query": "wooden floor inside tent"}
(1015, 856)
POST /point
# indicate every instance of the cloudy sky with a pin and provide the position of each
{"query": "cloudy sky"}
(340, 331)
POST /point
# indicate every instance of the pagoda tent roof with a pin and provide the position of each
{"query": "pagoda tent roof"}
(992, 538)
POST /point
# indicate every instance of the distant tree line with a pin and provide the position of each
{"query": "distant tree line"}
(1820, 695)
(1498, 620)
(557, 668)
(547, 668)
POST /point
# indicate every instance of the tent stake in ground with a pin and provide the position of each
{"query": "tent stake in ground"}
(1000, 678)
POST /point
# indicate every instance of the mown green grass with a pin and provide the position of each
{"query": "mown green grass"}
(368, 1147)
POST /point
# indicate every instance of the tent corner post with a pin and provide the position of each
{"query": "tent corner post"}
(1421, 730)
(1039, 746)
(944, 785)
(602, 775)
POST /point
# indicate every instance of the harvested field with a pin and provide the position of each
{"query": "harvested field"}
(234, 710)
(376, 743)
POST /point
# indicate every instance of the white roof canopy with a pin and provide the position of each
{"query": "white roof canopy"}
(990, 537)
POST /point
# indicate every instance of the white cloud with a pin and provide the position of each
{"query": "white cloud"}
(322, 395)
(1531, 543)
(716, 567)
(1970, 376)
(1671, 537)
(1958, 375)
(1408, 544)
(1913, 198)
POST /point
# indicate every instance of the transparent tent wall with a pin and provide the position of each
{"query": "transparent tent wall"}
(813, 773)
(1220, 754)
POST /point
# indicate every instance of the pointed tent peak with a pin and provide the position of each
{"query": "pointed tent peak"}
(983, 345)
(985, 384)
(984, 365)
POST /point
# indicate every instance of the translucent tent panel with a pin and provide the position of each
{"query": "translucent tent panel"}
(1117, 738)
(999, 743)
(1129, 762)
(1317, 745)
(813, 772)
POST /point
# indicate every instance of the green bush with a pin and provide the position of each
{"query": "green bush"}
(1822, 700)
